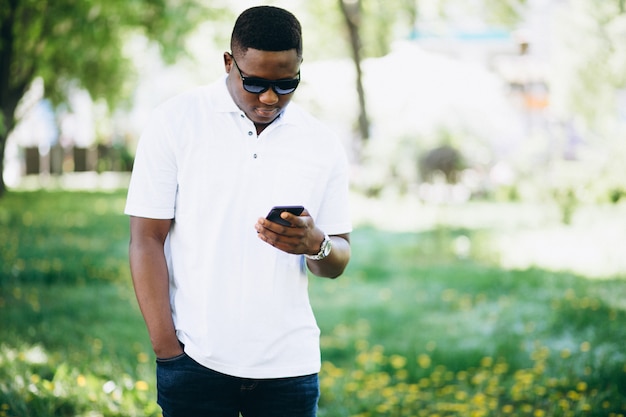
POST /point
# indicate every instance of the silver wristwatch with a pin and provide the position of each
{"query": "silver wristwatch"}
(324, 250)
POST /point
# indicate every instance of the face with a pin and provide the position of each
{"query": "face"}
(261, 108)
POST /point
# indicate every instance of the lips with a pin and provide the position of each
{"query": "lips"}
(266, 113)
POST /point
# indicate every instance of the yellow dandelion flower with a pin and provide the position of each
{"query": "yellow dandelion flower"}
(541, 353)
(573, 395)
(585, 347)
(357, 375)
(424, 361)
(388, 392)
(539, 413)
(81, 381)
(460, 395)
(581, 386)
(402, 374)
(507, 409)
(479, 399)
(142, 357)
(351, 387)
(500, 368)
(361, 345)
(565, 353)
(486, 362)
(141, 386)
(493, 404)
(424, 383)
(397, 361)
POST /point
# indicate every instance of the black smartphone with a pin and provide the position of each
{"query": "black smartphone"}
(274, 214)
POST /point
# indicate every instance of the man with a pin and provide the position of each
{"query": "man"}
(223, 290)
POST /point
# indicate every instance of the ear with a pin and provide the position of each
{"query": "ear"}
(228, 62)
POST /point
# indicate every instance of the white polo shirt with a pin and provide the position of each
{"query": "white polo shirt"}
(240, 306)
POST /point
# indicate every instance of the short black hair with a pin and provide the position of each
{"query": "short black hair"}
(266, 28)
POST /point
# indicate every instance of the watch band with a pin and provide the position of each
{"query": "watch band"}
(324, 250)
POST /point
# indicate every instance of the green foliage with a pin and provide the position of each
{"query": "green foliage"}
(379, 24)
(589, 62)
(82, 42)
(507, 13)
(382, 22)
(417, 326)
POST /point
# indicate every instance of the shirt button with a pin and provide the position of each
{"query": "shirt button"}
(242, 115)
(254, 156)
(250, 133)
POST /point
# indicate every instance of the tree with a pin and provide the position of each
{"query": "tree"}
(590, 67)
(371, 25)
(351, 11)
(79, 43)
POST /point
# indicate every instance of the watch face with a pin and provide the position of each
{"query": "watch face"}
(327, 247)
(324, 250)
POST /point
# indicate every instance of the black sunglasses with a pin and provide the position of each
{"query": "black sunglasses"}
(260, 85)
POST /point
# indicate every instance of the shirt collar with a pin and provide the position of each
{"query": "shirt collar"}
(225, 103)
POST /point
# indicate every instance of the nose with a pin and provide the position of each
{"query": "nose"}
(268, 97)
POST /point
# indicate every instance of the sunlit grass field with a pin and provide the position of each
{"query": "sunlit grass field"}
(426, 321)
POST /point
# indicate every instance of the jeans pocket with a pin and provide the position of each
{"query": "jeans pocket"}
(164, 361)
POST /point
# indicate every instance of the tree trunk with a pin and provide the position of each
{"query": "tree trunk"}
(6, 112)
(11, 88)
(3, 187)
(352, 12)
(6, 127)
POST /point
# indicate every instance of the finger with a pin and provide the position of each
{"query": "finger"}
(301, 221)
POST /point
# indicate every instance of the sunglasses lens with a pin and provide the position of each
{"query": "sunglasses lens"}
(286, 86)
(255, 86)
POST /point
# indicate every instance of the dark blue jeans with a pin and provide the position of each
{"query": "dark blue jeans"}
(188, 389)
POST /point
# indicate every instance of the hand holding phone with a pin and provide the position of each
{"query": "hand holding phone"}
(274, 214)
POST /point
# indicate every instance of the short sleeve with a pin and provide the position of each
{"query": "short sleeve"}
(334, 213)
(153, 184)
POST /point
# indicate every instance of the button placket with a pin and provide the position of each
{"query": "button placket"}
(251, 141)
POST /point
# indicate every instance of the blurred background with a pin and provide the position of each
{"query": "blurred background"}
(486, 139)
(436, 101)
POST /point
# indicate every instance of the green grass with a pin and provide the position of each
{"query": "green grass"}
(413, 328)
